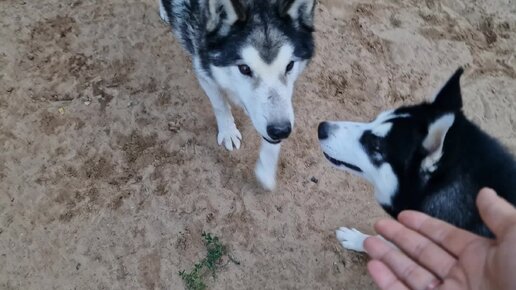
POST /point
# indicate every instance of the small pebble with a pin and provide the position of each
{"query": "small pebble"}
(173, 127)
(61, 110)
(314, 180)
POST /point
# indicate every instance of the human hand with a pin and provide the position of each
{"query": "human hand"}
(439, 255)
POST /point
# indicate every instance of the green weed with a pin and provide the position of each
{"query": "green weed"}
(194, 280)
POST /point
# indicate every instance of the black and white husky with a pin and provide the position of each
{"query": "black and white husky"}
(426, 157)
(248, 53)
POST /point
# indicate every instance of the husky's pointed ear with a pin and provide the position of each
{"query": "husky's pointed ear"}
(434, 141)
(224, 13)
(449, 98)
(301, 11)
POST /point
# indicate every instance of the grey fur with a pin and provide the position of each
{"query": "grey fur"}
(248, 53)
(263, 26)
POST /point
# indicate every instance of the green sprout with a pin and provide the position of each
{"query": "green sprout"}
(194, 280)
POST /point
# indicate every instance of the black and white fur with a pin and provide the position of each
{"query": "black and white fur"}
(427, 157)
(248, 53)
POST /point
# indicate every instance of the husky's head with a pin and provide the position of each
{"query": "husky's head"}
(255, 51)
(400, 147)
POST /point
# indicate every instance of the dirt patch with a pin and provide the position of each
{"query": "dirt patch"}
(109, 166)
(150, 269)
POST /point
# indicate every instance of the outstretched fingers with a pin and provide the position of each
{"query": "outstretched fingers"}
(402, 267)
(384, 277)
(448, 237)
(497, 213)
(418, 247)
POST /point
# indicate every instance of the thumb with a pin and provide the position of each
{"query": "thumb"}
(496, 212)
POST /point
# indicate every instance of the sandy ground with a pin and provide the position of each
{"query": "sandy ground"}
(109, 166)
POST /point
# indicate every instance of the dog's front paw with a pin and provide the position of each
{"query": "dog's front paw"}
(230, 137)
(267, 178)
(351, 239)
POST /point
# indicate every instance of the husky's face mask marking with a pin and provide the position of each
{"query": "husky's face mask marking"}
(264, 89)
(257, 58)
(362, 148)
(399, 147)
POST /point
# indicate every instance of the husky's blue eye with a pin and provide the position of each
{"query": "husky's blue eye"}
(290, 66)
(245, 70)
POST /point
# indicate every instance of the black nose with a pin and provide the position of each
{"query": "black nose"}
(322, 130)
(279, 131)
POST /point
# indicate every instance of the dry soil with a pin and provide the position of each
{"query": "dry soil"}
(109, 167)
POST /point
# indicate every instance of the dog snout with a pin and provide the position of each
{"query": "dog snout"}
(323, 131)
(279, 131)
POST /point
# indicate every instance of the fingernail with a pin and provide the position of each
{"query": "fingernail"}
(434, 285)
(487, 194)
(488, 190)
(381, 224)
(367, 244)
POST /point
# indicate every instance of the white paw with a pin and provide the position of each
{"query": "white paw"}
(267, 178)
(351, 239)
(230, 137)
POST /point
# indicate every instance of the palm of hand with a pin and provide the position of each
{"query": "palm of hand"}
(483, 258)
(438, 255)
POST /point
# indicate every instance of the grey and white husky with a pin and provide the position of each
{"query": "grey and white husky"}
(248, 53)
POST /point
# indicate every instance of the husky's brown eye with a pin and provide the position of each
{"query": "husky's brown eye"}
(290, 66)
(376, 144)
(371, 142)
(245, 70)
